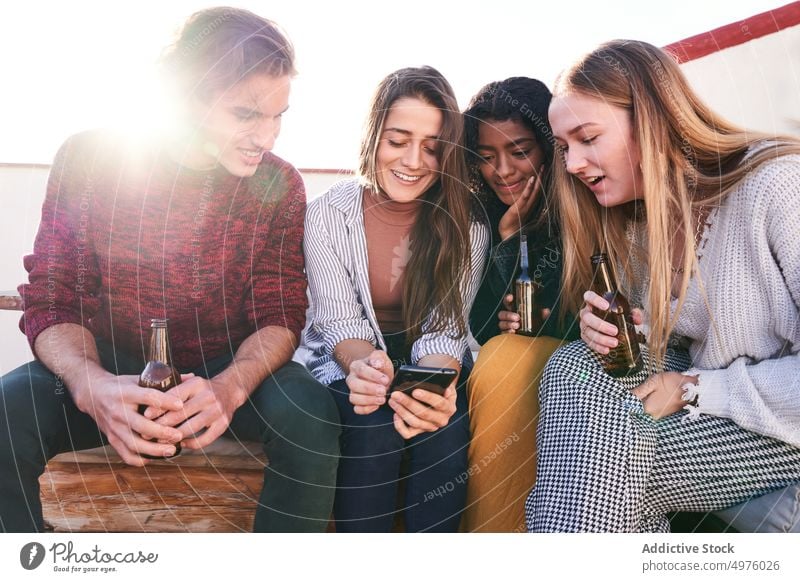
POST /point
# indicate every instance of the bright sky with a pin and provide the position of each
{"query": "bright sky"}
(70, 66)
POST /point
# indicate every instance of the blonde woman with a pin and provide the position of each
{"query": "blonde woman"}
(703, 221)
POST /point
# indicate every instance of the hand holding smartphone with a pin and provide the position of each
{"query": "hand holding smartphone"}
(409, 378)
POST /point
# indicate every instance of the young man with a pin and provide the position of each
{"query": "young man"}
(202, 226)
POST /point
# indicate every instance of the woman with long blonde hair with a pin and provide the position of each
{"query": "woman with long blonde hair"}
(702, 220)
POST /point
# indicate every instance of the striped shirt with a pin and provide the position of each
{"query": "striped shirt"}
(341, 302)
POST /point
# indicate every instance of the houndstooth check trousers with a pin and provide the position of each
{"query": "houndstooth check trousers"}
(606, 466)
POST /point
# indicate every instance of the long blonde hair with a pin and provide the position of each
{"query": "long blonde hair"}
(691, 158)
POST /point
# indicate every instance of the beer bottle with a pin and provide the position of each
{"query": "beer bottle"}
(529, 321)
(159, 372)
(626, 358)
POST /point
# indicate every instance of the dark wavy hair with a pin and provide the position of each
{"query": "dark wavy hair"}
(525, 101)
(218, 47)
(440, 252)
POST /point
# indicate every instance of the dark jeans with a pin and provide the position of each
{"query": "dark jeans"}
(370, 468)
(290, 413)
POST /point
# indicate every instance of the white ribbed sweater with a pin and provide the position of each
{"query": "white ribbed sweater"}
(749, 261)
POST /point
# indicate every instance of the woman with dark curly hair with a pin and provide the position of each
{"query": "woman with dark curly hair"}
(509, 154)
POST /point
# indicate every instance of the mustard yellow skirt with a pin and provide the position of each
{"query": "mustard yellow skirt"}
(503, 394)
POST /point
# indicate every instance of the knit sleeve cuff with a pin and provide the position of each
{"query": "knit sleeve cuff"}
(712, 396)
(33, 323)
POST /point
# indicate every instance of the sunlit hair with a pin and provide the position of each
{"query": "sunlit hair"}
(440, 254)
(690, 158)
(522, 100)
(220, 47)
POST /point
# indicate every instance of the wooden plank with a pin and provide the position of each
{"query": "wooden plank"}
(102, 497)
(10, 300)
(233, 456)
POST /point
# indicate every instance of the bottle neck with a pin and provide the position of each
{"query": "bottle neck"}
(159, 346)
(604, 279)
(523, 256)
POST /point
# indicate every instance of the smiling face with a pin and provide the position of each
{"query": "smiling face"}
(509, 156)
(596, 141)
(407, 160)
(236, 127)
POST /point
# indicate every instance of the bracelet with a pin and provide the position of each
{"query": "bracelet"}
(690, 395)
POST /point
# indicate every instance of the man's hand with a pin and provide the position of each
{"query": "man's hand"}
(208, 407)
(114, 401)
(369, 381)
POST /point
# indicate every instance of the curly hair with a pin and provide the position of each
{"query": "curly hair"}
(520, 99)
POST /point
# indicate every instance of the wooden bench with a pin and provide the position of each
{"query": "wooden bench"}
(215, 490)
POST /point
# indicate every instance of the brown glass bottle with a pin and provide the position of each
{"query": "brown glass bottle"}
(159, 372)
(525, 294)
(626, 358)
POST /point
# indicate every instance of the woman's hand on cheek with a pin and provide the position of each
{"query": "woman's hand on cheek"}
(517, 214)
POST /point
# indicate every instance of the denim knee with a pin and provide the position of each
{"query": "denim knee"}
(778, 511)
(26, 406)
(299, 409)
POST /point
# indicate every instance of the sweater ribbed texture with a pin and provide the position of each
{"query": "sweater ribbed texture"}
(747, 358)
(128, 235)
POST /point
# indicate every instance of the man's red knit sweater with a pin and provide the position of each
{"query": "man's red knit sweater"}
(128, 235)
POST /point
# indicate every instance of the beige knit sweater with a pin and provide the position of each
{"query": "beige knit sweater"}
(748, 359)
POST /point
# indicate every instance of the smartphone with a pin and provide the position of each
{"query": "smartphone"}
(408, 378)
